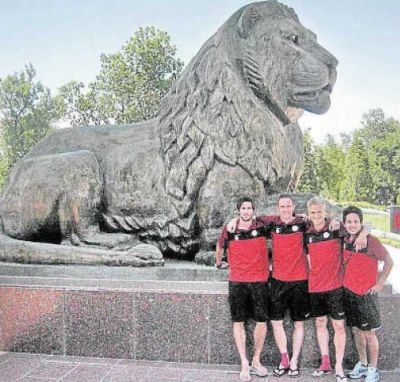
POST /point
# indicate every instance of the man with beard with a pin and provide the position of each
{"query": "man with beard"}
(248, 283)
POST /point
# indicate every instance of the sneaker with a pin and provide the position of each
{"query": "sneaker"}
(359, 370)
(372, 375)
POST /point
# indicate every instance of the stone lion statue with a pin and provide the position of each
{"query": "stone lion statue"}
(227, 127)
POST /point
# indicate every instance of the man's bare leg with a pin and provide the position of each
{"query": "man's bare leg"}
(321, 329)
(361, 345)
(239, 334)
(281, 342)
(260, 332)
(373, 347)
(298, 337)
(339, 339)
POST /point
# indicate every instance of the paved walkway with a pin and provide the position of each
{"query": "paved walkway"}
(23, 367)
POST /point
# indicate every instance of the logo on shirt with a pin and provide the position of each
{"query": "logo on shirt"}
(254, 233)
(364, 325)
(295, 228)
(236, 237)
(341, 314)
(326, 235)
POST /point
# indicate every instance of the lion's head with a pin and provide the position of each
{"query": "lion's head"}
(283, 61)
(239, 99)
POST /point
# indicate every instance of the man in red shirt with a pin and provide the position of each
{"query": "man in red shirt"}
(361, 285)
(325, 284)
(289, 288)
(248, 283)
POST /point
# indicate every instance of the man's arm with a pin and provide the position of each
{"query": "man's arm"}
(231, 226)
(387, 267)
(219, 252)
(218, 256)
(308, 260)
(334, 224)
(362, 238)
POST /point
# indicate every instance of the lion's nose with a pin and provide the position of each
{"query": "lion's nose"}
(326, 57)
(332, 77)
(330, 60)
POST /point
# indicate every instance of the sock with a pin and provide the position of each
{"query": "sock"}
(284, 360)
(325, 363)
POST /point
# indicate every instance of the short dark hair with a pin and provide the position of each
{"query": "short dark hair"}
(242, 200)
(285, 196)
(353, 210)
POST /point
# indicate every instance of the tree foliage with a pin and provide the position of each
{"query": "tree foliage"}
(386, 160)
(130, 84)
(357, 179)
(331, 164)
(323, 167)
(26, 113)
(84, 106)
(309, 181)
(363, 167)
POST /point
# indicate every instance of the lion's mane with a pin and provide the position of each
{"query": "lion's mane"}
(219, 110)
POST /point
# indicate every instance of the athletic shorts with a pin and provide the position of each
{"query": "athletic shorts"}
(329, 303)
(292, 295)
(248, 300)
(362, 311)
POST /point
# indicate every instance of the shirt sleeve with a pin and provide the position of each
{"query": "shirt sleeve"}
(376, 248)
(223, 236)
(266, 219)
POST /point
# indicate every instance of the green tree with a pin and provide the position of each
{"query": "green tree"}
(309, 181)
(84, 106)
(375, 126)
(386, 159)
(363, 166)
(380, 137)
(3, 170)
(330, 164)
(130, 84)
(26, 113)
(323, 167)
(357, 181)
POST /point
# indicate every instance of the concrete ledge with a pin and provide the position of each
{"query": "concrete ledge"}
(177, 313)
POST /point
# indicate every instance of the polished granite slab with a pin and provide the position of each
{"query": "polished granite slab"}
(177, 313)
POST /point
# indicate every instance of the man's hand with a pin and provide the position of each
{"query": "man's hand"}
(361, 241)
(222, 265)
(334, 224)
(231, 226)
(376, 288)
(304, 217)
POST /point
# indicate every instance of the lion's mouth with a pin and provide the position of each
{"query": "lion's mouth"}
(312, 95)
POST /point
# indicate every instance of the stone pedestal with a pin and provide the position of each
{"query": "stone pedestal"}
(177, 313)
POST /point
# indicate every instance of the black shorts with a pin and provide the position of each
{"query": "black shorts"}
(292, 295)
(328, 303)
(248, 300)
(362, 311)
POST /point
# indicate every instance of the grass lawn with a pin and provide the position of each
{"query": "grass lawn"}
(381, 222)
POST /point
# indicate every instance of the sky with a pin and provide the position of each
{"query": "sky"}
(64, 39)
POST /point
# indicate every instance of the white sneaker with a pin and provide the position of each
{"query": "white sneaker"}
(359, 370)
(372, 375)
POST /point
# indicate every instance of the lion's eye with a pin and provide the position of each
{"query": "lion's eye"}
(293, 38)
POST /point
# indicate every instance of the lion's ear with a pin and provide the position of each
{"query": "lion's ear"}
(248, 19)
